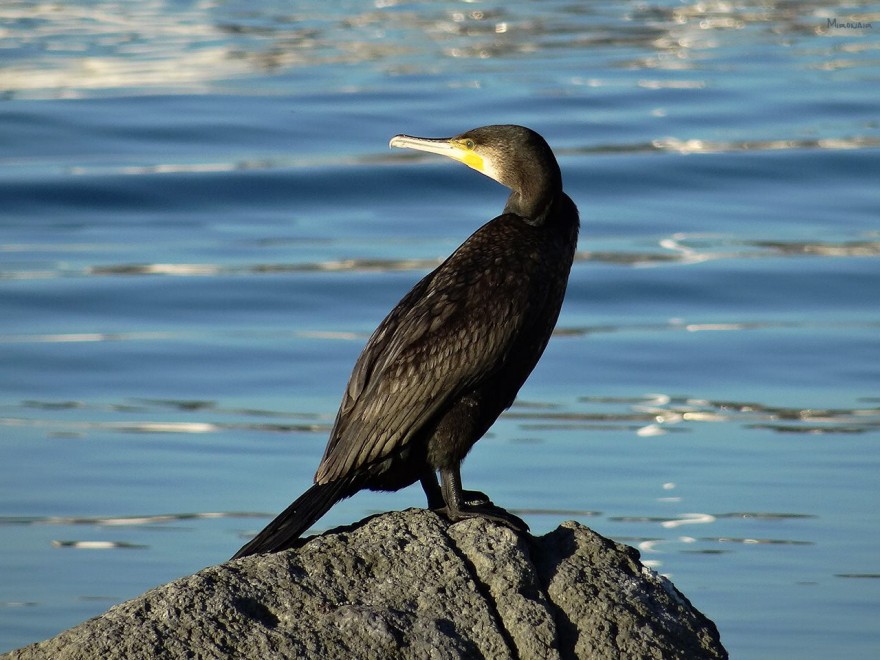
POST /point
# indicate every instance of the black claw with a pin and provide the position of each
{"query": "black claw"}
(475, 498)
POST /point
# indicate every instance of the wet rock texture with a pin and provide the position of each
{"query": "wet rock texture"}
(408, 585)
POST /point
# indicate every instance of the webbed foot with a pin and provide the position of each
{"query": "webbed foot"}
(461, 504)
(487, 511)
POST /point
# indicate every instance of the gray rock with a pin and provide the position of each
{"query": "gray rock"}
(408, 585)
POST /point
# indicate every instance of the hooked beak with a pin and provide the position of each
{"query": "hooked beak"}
(450, 147)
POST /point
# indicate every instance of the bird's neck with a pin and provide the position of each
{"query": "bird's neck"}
(534, 209)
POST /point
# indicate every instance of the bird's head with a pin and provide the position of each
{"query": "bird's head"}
(514, 156)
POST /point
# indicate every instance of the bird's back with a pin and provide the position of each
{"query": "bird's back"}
(479, 322)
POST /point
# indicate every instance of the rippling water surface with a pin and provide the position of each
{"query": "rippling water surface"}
(201, 223)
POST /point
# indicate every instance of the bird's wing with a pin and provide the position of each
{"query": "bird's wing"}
(439, 341)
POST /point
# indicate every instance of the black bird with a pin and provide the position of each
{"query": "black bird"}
(452, 355)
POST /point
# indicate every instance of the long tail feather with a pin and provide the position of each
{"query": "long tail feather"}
(295, 519)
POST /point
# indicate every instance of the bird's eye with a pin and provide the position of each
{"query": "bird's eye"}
(469, 144)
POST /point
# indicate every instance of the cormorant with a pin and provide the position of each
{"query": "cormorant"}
(454, 352)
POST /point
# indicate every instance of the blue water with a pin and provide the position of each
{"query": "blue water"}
(201, 223)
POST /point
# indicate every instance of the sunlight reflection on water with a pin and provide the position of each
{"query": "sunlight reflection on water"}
(168, 46)
(201, 224)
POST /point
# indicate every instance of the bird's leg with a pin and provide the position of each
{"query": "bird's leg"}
(432, 490)
(459, 508)
(435, 494)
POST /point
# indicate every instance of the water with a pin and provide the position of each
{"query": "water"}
(201, 223)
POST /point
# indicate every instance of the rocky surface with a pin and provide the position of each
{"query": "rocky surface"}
(408, 585)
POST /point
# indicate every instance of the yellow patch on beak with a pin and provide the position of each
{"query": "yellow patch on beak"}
(473, 160)
(464, 152)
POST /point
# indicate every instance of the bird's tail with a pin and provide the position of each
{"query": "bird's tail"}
(297, 518)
